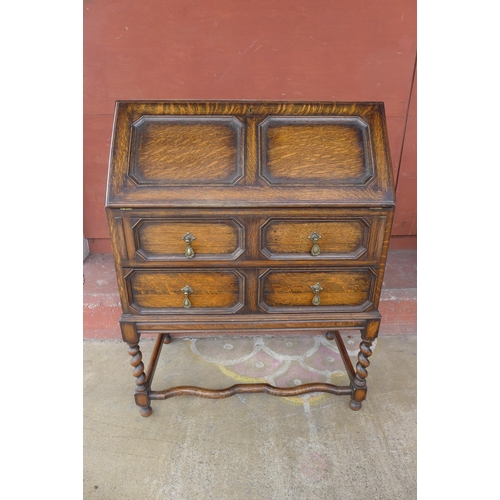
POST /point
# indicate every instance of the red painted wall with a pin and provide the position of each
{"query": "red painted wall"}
(248, 49)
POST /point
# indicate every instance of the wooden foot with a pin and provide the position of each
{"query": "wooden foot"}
(145, 411)
(359, 382)
(167, 339)
(330, 335)
(142, 400)
(355, 405)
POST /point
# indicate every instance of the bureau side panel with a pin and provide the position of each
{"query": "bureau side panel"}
(119, 249)
(385, 225)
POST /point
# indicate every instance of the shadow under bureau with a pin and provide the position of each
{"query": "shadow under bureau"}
(249, 218)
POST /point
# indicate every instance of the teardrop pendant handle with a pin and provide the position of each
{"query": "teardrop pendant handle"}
(187, 290)
(189, 238)
(315, 237)
(316, 288)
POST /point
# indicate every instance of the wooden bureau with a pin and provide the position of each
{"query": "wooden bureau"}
(249, 218)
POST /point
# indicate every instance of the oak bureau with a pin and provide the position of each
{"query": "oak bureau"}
(249, 218)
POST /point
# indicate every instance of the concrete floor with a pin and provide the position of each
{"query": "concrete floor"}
(253, 446)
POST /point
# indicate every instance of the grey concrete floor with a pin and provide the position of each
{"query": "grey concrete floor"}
(247, 447)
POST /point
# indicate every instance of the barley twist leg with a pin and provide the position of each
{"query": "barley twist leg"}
(141, 389)
(359, 382)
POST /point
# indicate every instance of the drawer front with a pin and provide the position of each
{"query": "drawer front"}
(167, 239)
(341, 238)
(293, 290)
(190, 292)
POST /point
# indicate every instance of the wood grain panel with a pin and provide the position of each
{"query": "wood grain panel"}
(290, 290)
(340, 239)
(160, 290)
(161, 239)
(333, 150)
(187, 150)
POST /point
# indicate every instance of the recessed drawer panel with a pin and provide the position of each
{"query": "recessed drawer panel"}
(292, 290)
(158, 239)
(315, 239)
(200, 291)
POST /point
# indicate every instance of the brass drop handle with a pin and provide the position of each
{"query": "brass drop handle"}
(316, 288)
(187, 290)
(315, 237)
(189, 238)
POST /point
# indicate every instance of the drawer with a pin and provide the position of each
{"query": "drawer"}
(341, 289)
(336, 238)
(186, 291)
(174, 239)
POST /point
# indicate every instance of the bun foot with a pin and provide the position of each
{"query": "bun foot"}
(167, 339)
(145, 410)
(355, 405)
(330, 335)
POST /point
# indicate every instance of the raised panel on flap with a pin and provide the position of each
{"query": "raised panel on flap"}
(316, 150)
(187, 150)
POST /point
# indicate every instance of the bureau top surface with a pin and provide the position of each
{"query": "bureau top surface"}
(249, 154)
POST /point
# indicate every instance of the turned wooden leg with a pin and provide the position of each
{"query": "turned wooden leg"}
(359, 382)
(141, 388)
